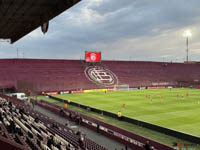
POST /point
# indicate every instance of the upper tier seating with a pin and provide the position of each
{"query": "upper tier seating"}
(145, 73)
(58, 75)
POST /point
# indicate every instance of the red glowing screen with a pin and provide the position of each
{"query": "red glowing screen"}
(92, 56)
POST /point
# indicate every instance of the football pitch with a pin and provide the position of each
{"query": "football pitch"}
(177, 109)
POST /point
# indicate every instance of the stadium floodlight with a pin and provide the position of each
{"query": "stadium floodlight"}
(187, 34)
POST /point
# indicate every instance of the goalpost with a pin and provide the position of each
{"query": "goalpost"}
(120, 87)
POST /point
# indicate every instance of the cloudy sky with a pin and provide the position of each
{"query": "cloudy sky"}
(120, 29)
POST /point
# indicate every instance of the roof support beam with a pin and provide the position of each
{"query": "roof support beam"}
(20, 17)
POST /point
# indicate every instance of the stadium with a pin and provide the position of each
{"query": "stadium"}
(92, 103)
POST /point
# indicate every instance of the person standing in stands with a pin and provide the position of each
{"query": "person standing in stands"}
(61, 112)
(37, 120)
(12, 126)
(18, 130)
(147, 146)
(82, 142)
(10, 104)
(33, 103)
(70, 116)
(29, 102)
(126, 147)
(97, 128)
(50, 141)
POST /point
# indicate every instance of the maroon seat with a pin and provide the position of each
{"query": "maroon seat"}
(59, 75)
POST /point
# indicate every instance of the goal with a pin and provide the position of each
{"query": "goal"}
(121, 87)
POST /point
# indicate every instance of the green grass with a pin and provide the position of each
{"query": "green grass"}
(136, 100)
(178, 113)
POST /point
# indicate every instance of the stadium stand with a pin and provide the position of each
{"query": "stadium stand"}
(138, 74)
(60, 75)
(24, 128)
(133, 141)
(47, 75)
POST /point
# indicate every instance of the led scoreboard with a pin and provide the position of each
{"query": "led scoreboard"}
(92, 56)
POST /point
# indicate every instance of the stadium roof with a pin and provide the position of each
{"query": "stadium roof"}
(20, 17)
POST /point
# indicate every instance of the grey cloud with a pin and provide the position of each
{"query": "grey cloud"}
(111, 22)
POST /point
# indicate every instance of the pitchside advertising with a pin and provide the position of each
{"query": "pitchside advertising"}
(92, 56)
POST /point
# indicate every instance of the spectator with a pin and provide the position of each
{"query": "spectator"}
(50, 141)
(1, 117)
(37, 120)
(147, 146)
(81, 141)
(97, 128)
(59, 145)
(61, 112)
(54, 125)
(126, 147)
(12, 127)
(10, 104)
(21, 111)
(78, 133)
(33, 103)
(19, 131)
(70, 115)
(66, 124)
(80, 120)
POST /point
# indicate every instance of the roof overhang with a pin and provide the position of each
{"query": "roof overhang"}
(20, 17)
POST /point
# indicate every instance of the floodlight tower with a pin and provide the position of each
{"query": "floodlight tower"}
(187, 34)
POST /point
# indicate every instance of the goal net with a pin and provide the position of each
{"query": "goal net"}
(120, 87)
